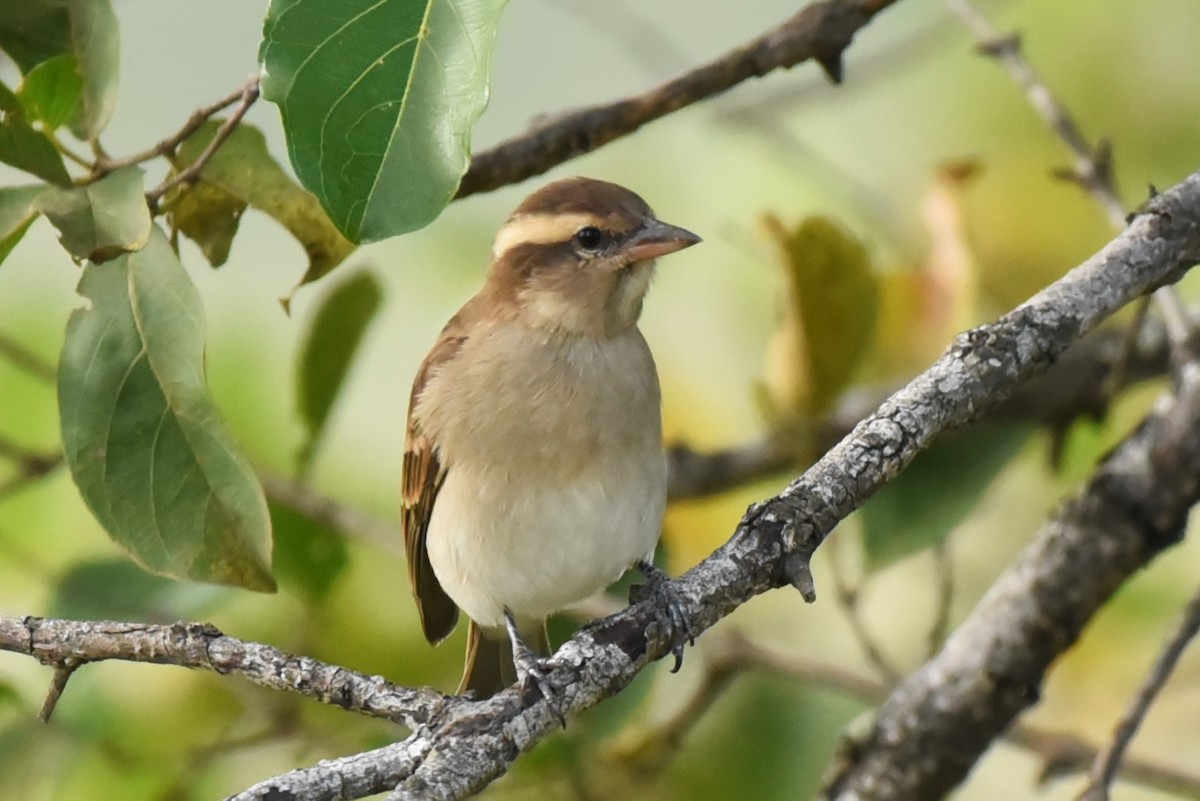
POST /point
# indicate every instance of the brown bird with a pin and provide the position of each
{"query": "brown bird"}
(534, 471)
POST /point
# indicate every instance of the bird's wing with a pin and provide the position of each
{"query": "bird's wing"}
(423, 477)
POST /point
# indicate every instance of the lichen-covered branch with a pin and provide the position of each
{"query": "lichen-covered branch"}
(73, 643)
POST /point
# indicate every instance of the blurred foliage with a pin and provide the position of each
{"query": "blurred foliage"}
(960, 219)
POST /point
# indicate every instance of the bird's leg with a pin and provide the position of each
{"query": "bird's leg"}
(531, 669)
(658, 588)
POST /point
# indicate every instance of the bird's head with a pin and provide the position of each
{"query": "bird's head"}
(578, 255)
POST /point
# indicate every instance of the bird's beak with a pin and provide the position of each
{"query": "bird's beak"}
(656, 239)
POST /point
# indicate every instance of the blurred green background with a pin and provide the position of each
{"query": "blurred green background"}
(916, 95)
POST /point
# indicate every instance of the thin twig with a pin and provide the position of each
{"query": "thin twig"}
(188, 174)
(1093, 168)
(339, 516)
(848, 596)
(62, 674)
(820, 31)
(31, 465)
(166, 147)
(1108, 761)
(26, 359)
(943, 564)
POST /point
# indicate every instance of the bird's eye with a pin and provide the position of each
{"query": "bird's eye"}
(589, 238)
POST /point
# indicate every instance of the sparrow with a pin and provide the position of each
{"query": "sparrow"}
(534, 468)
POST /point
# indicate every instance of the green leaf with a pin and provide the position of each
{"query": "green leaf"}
(17, 213)
(117, 589)
(378, 102)
(51, 91)
(831, 302)
(25, 148)
(145, 444)
(328, 351)
(243, 173)
(309, 557)
(32, 31)
(101, 220)
(96, 44)
(925, 503)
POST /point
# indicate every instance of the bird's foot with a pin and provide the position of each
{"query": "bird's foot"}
(658, 588)
(533, 670)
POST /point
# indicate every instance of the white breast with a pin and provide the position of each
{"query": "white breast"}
(542, 507)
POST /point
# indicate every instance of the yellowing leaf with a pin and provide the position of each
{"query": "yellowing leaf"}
(243, 173)
(925, 305)
(830, 299)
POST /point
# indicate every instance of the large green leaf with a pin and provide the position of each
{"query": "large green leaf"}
(100, 220)
(144, 442)
(378, 99)
(328, 351)
(242, 172)
(925, 503)
(17, 213)
(32, 31)
(25, 148)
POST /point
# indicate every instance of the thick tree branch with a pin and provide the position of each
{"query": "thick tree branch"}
(821, 31)
(938, 722)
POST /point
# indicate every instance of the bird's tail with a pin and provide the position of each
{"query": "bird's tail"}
(489, 664)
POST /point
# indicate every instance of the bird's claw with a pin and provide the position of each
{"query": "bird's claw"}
(658, 588)
(534, 672)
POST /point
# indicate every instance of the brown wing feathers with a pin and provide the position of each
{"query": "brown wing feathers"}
(423, 477)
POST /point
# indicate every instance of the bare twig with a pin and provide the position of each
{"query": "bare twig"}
(190, 173)
(943, 565)
(31, 465)
(847, 596)
(694, 474)
(341, 517)
(1093, 168)
(166, 147)
(26, 359)
(821, 31)
(1108, 761)
(62, 674)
